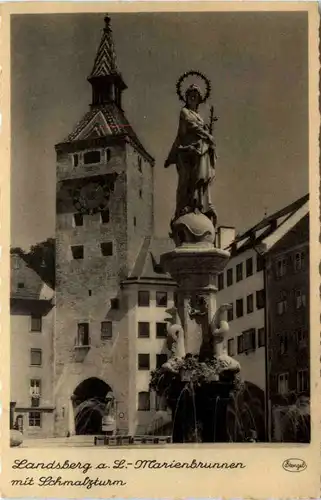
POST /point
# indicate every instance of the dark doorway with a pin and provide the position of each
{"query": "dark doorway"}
(89, 405)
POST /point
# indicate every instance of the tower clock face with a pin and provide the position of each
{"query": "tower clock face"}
(91, 198)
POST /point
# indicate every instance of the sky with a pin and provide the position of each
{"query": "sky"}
(257, 64)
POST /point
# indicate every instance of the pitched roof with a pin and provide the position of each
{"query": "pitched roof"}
(106, 120)
(25, 283)
(105, 61)
(147, 265)
(272, 227)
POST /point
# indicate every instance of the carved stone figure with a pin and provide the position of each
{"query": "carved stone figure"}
(175, 340)
(193, 153)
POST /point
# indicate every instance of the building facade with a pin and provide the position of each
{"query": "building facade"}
(32, 324)
(289, 333)
(109, 329)
(261, 328)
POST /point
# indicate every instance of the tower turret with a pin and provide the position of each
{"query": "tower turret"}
(107, 82)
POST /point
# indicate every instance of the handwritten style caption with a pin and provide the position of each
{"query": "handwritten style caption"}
(115, 465)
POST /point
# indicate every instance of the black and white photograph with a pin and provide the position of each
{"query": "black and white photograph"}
(160, 230)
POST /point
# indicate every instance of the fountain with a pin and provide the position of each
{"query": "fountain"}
(199, 378)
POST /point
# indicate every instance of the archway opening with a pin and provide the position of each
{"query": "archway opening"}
(89, 401)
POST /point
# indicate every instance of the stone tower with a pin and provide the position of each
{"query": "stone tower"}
(104, 212)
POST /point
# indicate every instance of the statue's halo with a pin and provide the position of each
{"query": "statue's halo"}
(198, 74)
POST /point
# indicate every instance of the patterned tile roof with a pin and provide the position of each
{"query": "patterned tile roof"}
(104, 120)
(105, 62)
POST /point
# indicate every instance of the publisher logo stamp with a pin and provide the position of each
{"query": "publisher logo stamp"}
(294, 465)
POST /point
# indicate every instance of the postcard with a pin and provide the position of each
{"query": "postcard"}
(160, 250)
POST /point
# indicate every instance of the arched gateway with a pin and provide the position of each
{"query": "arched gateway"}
(89, 403)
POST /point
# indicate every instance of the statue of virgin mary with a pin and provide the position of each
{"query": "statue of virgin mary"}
(193, 153)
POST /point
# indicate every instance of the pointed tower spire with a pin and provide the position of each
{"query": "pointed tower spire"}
(106, 81)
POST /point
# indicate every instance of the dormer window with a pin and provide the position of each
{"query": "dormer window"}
(91, 157)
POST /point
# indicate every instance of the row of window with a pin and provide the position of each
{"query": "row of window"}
(238, 309)
(301, 337)
(106, 329)
(240, 272)
(144, 299)
(143, 361)
(299, 301)
(282, 265)
(302, 382)
(77, 251)
(246, 342)
(78, 218)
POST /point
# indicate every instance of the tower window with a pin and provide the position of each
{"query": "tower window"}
(140, 193)
(106, 330)
(221, 281)
(77, 252)
(35, 357)
(108, 154)
(78, 219)
(82, 334)
(143, 361)
(134, 221)
(36, 323)
(91, 157)
(143, 401)
(106, 248)
(75, 160)
(21, 285)
(105, 216)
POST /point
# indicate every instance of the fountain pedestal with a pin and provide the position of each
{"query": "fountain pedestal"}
(202, 376)
(195, 269)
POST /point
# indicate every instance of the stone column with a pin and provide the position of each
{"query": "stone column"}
(195, 268)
